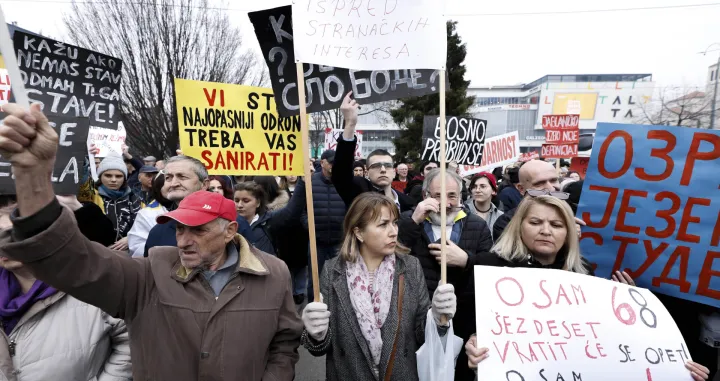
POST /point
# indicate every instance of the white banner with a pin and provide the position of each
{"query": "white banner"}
(331, 138)
(554, 324)
(106, 140)
(498, 151)
(370, 35)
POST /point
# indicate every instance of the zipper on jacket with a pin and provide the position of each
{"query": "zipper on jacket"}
(11, 347)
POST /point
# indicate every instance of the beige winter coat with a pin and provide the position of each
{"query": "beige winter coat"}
(62, 339)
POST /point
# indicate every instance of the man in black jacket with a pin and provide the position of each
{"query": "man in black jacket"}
(381, 170)
(329, 214)
(467, 236)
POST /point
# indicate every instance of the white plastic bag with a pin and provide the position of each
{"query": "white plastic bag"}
(434, 362)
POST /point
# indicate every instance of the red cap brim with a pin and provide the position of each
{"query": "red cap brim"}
(187, 217)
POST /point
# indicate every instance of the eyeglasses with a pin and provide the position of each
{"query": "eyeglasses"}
(378, 165)
(542, 192)
(450, 197)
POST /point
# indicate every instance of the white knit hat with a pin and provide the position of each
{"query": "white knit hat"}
(112, 161)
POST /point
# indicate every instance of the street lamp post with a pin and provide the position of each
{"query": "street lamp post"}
(713, 106)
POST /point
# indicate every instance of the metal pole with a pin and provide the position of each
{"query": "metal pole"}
(714, 99)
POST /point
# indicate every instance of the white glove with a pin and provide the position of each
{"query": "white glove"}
(316, 319)
(444, 303)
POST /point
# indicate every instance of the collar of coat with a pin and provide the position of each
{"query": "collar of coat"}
(249, 263)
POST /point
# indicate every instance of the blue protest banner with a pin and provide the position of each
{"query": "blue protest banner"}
(652, 208)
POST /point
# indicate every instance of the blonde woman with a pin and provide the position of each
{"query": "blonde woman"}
(375, 300)
(542, 234)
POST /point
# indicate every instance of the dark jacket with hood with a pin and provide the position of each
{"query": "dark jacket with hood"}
(121, 211)
(414, 189)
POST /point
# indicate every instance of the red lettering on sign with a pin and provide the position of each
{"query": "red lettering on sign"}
(497, 289)
(627, 160)
(608, 208)
(624, 242)
(688, 218)
(247, 161)
(683, 252)
(666, 215)
(651, 255)
(716, 232)
(660, 153)
(706, 274)
(625, 208)
(694, 155)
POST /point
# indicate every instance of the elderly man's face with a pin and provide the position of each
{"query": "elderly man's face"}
(182, 180)
(201, 246)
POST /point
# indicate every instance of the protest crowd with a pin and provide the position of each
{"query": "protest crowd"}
(165, 268)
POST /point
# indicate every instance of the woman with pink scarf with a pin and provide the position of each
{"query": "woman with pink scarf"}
(374, 301)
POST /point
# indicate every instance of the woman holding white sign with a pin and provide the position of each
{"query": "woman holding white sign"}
(376, 302)
(542, 234)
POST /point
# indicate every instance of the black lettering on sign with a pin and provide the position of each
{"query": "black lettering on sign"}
(325, 86)
(464, 139)
(68, 80)
(72, 149)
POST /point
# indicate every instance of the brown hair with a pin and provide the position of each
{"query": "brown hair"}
(365, 209)
(257, 191)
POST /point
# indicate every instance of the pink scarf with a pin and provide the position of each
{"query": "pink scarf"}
(371, 309)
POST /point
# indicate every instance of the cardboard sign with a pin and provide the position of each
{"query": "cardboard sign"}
(332, 136)
(234, 129)
(499, 151)
(72, 148)
(558, 151)
(69, 80)
(651, 204)
(371, 36)
(465, 139)
(543, 324)
(580, 165)
(326, 86)
(107, 140)
(561, 129)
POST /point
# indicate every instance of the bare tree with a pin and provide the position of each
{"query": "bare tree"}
(158, 41)
(676, 106)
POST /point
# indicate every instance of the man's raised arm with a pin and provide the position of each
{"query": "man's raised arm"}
(342, 172)
(45, 236)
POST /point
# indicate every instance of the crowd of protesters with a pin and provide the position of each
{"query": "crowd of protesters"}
(159, 271)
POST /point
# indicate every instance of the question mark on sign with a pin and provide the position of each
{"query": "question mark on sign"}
(433, 78)
(283, 60)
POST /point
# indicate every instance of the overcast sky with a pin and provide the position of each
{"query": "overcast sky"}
(511, 49)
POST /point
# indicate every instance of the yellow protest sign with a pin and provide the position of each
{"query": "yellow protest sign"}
(235, 129)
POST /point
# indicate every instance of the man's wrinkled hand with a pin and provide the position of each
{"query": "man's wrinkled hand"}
(26, 138)
(424, 208)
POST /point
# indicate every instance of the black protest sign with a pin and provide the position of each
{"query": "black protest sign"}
(464, 139)
(68, 80)
(72, 149)
(326, 86)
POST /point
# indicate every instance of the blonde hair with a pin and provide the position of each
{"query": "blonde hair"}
(366, 208)
(510, 246)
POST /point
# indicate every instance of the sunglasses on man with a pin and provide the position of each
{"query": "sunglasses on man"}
(543, 192)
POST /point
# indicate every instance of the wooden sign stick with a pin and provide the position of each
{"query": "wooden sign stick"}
(443, 189)
(308, 181)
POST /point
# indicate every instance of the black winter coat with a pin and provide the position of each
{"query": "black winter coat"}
(329, 211)
(475, 238)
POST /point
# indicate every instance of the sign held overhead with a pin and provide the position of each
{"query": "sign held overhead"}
(381, 35)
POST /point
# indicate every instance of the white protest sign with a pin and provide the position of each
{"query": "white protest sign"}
(499, 151)
(332, 136)
(558, 325)
(370, 35)
(4, 86)
(106, 140)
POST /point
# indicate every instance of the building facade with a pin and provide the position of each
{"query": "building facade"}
(614, 98)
